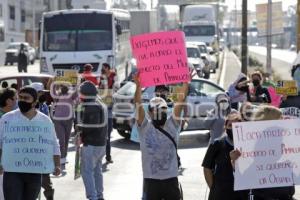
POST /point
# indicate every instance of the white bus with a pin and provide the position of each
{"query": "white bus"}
(71, 38)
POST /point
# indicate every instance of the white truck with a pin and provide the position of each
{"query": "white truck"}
(143, 21)
(199, 23)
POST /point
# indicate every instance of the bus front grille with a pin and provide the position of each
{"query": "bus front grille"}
(78, 66)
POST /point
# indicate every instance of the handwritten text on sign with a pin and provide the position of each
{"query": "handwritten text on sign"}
(270, 154)
(28, 147)
(161, 58)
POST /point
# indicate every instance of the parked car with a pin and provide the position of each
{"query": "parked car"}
(20, 80)
(205, 55)
(213, 57)
(12, 51)
(200, 100)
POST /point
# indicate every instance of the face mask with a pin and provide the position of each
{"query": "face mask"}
(224, 105)
(256, 82)
(229, 133)
(24, 106)
(160, 120)
(42, 98)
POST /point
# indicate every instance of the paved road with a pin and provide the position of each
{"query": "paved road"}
(282, 60)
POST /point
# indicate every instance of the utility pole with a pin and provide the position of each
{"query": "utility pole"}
(298, 26)
(33, 23)
(269, 38)
(244, 36)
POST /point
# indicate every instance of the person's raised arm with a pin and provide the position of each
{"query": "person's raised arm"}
(179, 104)
(140, 113)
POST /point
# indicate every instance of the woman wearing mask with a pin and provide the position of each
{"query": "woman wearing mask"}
(256, 94)
(216, 118)
(237, 96)
(217, 164)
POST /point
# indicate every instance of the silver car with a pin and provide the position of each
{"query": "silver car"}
(12, 51)
(200, 100)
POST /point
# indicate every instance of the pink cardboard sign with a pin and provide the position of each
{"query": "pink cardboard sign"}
(161, 58)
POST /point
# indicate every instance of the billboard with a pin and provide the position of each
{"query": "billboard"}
(262, 18)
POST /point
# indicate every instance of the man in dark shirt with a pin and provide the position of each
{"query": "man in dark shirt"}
(92, 123)
(217, 166)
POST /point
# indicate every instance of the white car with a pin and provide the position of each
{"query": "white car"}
(205, 55)
(12, 51)
(194, 57)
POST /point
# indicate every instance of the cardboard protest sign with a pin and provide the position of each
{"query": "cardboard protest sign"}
(288, 88)
(161, 58)
(67, 75)
(269, 154)
(28, 147)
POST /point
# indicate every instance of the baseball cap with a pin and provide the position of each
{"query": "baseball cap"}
(87, 88)
(157, 102)
(39, 87)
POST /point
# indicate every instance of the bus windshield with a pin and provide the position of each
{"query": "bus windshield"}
(199, 30)
(78, 32)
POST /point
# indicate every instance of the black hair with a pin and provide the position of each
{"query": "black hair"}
(7, 93)
(106, 65)
(31, 91)
(4, 84)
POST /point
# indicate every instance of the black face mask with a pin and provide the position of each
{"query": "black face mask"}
(160, 120)
(24, 106)
(229, 133)
(256, 82)
(42, 98)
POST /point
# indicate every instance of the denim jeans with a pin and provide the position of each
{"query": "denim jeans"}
(91, 170)
(21, 186)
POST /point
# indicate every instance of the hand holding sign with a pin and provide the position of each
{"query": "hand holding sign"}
(161, 58)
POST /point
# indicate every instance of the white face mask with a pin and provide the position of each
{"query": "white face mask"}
(224, 105)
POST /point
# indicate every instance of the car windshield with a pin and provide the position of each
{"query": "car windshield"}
(14, 46)
(201, 88)
(91, 32)
(202, 48)
(193, 53)
(199, 30)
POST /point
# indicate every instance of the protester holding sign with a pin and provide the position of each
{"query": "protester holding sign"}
(291, 104)
(91, 119)
(29, 148)
(159, 156)
(264, 113)
(217, 166)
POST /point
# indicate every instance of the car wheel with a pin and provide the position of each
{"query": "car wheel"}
(32, 62)
(214, 71)
(125, 134)
(11, 63)
(6, 63)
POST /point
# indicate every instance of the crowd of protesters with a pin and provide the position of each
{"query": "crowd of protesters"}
(248, 99)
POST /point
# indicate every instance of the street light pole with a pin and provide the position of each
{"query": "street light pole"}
(244, 36)
(269, 38)
(33, 23)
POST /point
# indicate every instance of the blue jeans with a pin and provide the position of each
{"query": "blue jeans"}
(91, 170)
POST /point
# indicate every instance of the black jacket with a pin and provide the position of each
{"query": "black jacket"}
(91, 119)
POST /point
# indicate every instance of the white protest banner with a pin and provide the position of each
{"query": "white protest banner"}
(28, 147)
(270, 154)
